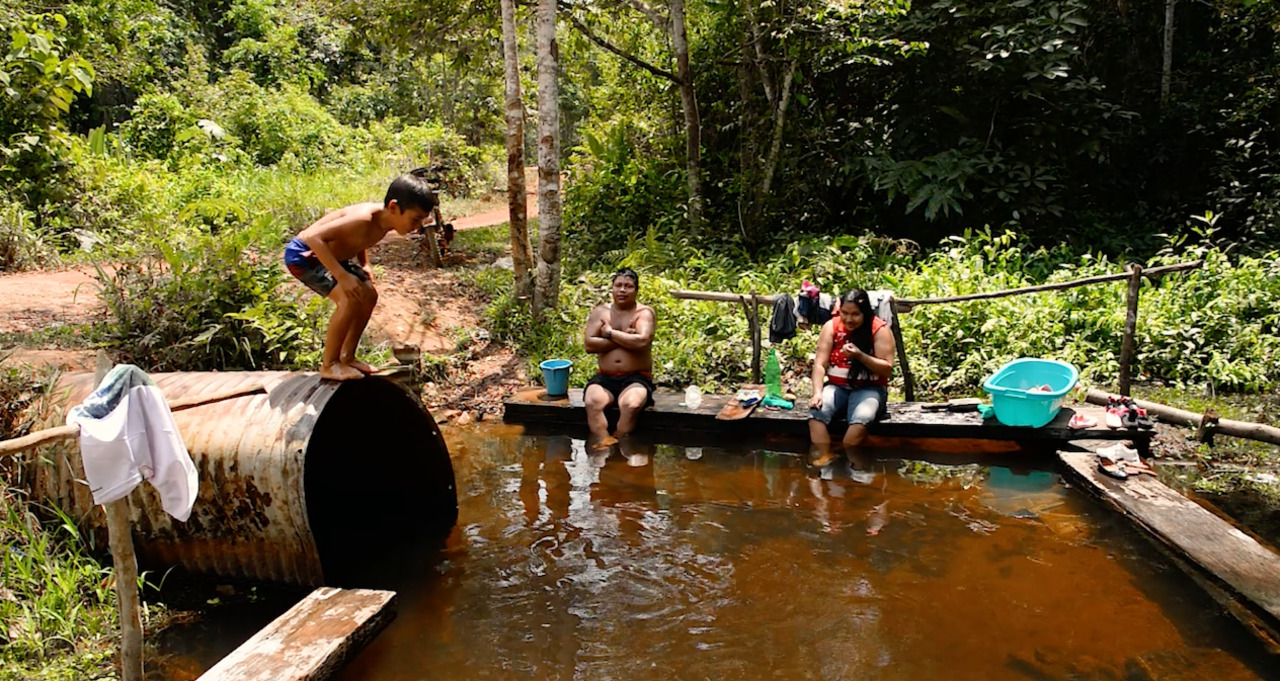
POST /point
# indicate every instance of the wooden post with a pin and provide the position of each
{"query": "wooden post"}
(1130, 327)
(120, 538)
(908, 384)
(753, 323)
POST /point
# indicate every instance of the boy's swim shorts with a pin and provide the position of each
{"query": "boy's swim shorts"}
(307, 268)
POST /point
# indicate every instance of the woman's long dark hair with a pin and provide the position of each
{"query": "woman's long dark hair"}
(862, 335)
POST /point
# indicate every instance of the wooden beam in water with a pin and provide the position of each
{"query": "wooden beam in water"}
(1238, 571)
(312, 640)
(904, 420)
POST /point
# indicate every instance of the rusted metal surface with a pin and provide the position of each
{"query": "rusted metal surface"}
(251, 518)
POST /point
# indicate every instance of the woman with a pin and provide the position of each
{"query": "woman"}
(855, 357)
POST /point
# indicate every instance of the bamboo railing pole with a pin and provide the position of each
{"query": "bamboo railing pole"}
(43, 437)
(1127, 348)
(908, 383)
(907, 303)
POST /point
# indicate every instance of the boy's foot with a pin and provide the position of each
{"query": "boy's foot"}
(340, 372)
(360, 366)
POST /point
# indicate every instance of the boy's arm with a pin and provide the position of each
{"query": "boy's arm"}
(348, 283)
(642, 338)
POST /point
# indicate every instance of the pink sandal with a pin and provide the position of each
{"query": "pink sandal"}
(1080, 422)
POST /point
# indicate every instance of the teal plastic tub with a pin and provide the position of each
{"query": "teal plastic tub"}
(1010, 390)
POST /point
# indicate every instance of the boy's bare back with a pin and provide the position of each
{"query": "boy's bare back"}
(348, 231)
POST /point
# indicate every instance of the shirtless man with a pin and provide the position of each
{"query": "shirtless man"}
(620, 335)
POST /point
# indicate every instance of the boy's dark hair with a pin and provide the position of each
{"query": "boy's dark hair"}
(412, 190)
(626, 272)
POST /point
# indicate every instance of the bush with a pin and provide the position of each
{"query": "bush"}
(212, 302)
(21, 244)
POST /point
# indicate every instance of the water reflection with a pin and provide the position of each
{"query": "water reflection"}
(661, 562)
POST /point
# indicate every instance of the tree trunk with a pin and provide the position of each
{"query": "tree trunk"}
(521, 253)
(1166, 73)
(779, 121)
(692, 122)
(547, 290)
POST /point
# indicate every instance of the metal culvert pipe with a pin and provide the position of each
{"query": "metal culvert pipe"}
(298, 485)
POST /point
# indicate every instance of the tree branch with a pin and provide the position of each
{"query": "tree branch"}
(658, 20)
(609, 47)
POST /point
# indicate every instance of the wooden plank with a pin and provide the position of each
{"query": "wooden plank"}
(312, 640)
(1236, 563)
(904, 420)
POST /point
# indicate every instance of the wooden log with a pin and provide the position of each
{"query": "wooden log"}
(1154, 272)
(312, 640)
(42, 437)
(1182, 417)
(1130, 326)
(1233, 562)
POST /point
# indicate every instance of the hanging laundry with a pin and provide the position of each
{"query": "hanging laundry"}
(127, 435)
(782, 325)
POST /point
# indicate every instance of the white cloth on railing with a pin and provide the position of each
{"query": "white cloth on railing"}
(882, 304)
(127, 435)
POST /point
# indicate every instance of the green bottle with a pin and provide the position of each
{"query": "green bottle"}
(773, 376)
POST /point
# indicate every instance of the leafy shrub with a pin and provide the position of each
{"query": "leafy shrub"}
(207, 302)
(154, 124)
(281, 120)
(21, 245)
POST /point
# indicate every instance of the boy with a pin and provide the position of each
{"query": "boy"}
(329, 257)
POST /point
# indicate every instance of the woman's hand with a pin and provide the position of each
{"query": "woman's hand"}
(816, 401)
(851, 350)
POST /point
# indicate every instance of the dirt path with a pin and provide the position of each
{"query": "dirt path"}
(430, 308)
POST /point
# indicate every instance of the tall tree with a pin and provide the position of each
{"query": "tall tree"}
(673, 29)
(521, 255)
(547, 289)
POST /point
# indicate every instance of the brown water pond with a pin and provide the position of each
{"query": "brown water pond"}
(709, 563)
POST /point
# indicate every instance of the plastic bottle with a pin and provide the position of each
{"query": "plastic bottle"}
(773, 375)
(692, 397)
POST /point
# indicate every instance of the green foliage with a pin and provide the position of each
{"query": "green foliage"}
(206, 302)
(58, 604)
(1219, 325)
(39, 82)
(21, 243)
(629, 187)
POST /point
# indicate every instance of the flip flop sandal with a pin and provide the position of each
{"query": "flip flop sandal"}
(1113, 469)
(1081, 422)
(1131, 468)
(1140, 415)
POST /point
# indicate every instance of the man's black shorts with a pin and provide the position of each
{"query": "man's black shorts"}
(616, 383)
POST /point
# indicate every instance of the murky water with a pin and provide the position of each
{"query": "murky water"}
(711, 563)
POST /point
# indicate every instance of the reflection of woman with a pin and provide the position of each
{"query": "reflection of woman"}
(855, 357)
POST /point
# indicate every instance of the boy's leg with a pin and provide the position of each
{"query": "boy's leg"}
(339, 324)
(351, 342)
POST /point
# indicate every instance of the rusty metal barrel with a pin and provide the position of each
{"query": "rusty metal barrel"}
(297, 484)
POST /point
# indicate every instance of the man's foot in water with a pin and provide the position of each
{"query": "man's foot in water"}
(603, 443)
